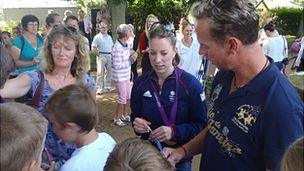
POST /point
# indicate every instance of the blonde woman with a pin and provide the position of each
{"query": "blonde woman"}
(66, 63)
(144, 45)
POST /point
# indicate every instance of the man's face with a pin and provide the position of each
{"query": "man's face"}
(57, 20)
(214, 51)
(103, 28)
(73, 23)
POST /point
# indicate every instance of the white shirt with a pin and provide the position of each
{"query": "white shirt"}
(190, 60)
(103, 43)
(276, 48)
(91, 157)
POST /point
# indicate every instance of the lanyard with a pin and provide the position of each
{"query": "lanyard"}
(168, 121)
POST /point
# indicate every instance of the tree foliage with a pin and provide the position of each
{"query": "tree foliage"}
(288, 20)
(165, 10)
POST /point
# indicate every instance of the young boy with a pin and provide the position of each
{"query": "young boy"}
(73, 114)
(23, 131)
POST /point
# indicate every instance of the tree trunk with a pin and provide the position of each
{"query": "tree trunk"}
(118, 13)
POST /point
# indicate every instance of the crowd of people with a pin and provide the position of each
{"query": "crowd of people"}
(255, 120)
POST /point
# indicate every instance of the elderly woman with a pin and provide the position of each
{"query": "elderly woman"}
(27, 46)
(168, 103)
(65, 64)
(122, 58)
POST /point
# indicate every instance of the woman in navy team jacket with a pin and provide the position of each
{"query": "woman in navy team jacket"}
(160, 113)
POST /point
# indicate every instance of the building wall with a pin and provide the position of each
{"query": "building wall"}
(15, 14)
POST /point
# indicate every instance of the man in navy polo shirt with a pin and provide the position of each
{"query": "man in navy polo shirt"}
(256, 113)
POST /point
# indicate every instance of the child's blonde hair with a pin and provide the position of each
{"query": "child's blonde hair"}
(293, 158)
(136, 154)
(23, 131)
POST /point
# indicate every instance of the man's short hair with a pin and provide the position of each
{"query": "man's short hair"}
(74, 103)
(136, 154)
(237, 18)
(50, 18)
(23, 131)
(70, 17)
(123, 30)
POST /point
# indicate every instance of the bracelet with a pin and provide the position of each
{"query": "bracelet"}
(185, 151)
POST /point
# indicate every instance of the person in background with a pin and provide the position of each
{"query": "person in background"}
(26, 47)
(102, 46)
(136, 154)
(275, 46)
(85, 25)
(122, 58)
(144, 45)
(6, 39)
(23, 131)
(72, 21)
(74, 116)
(299, 63)
(66, 14)
(103, 15)
(255, 111)
(167, 104)
(293, 158)
(51, 20)
(187, 49)
(65, 63)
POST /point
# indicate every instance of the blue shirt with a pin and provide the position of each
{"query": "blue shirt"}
(250, 128)
(191, 109)
(28, 52)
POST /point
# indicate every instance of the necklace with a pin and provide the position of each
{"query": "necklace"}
(235, 87)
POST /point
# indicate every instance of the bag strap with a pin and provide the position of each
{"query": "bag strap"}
(38, 92)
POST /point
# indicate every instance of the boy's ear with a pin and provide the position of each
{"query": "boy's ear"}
(32, 165)
(72, 126)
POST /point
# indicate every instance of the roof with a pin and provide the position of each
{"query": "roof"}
(36, 4)
(271, 4)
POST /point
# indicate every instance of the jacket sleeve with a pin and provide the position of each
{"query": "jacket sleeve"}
(135, 103)
(197, 115)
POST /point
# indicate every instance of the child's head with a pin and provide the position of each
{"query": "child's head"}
(293, 158)
(7, 65)
(23, 131)
(136, 154)
(72, 111)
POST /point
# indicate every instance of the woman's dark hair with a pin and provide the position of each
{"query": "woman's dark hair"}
(28, 18)
(158, 30)
(270, 26)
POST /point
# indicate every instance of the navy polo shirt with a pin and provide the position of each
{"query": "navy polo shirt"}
(250, 128)
(191, 115)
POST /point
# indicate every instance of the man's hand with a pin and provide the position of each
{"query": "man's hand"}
(174, 155)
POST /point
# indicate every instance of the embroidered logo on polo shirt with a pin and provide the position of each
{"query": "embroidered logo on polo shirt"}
(221, 134)
(147, 94)
(245, 117)
(172, 96)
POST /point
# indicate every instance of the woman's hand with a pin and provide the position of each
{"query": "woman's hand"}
(133, 56)
(161, 133)
(141, 126)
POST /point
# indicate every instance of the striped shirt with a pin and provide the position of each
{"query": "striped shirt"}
(121, 64)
